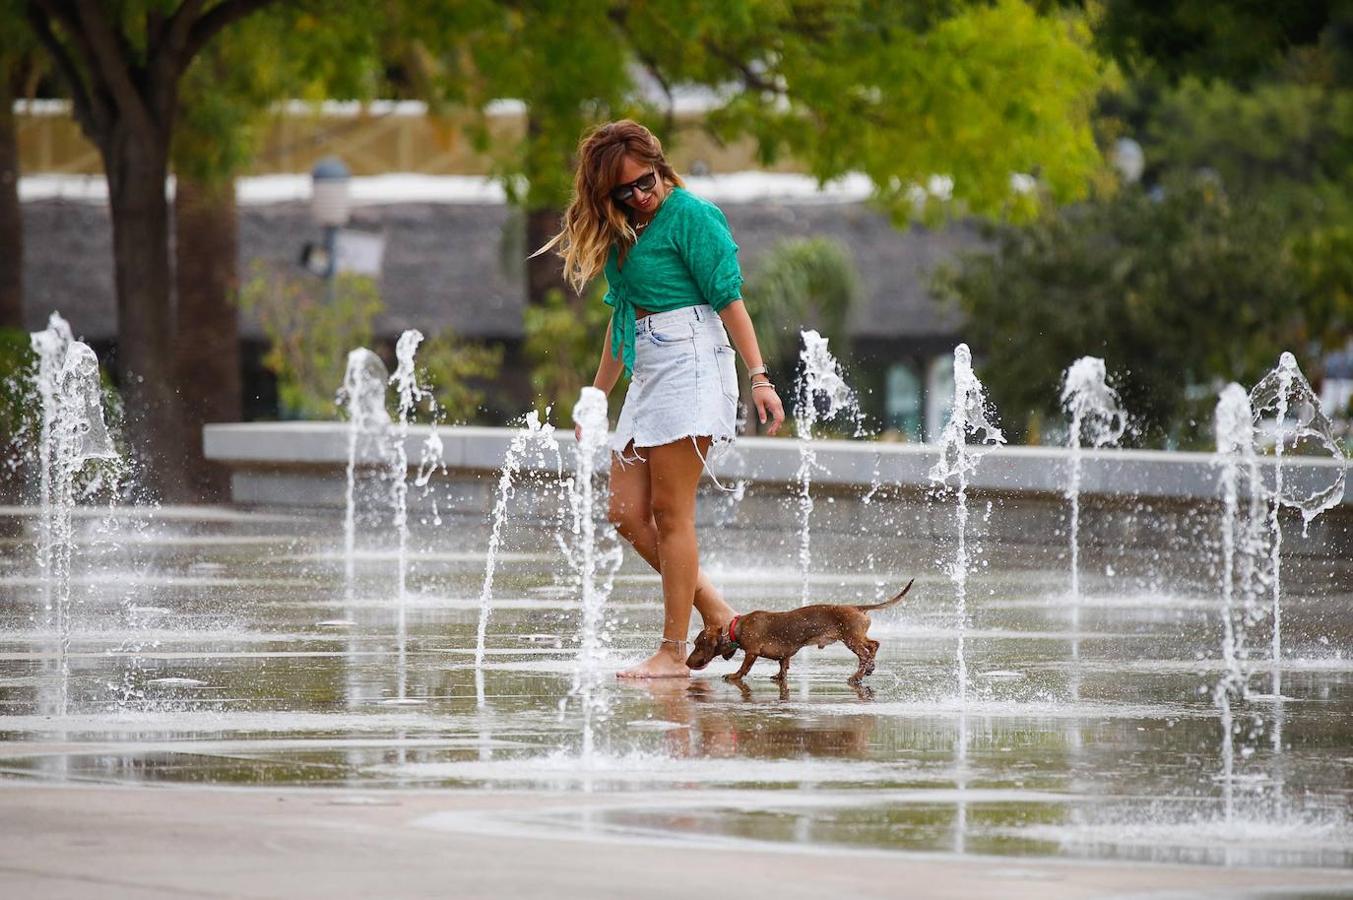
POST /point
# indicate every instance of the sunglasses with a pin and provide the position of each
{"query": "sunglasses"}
(621, 193)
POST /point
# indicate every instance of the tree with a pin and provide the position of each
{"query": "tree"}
(1236, 41)
(974, 92)
(17, 67)
(569, 66)
(1234, 247)
(971, 93)
(227, 93)
(123, 63)
(1178, 292)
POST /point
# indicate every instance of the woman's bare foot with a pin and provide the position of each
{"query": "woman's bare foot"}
(668, 662)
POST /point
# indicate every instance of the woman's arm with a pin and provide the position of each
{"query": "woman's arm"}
(743, 336)
(609, 368)
(608, 372)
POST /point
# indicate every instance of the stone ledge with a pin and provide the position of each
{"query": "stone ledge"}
(286, 447)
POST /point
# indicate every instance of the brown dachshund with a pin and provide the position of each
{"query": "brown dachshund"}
(779, 635)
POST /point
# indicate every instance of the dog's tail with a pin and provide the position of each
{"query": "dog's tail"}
(887, 603)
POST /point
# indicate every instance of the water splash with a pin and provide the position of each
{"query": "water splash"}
(1299, 426)
(50, 345)
(531, 433)
(363, 397)
(822, 394)
(968, 434)
(593, 565)
(410, 394)
(1241, 548)
(78, 434)
(1096, 420)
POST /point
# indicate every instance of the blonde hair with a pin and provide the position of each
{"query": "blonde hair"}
(593, 221)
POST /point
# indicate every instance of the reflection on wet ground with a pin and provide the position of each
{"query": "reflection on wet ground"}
(227, 649)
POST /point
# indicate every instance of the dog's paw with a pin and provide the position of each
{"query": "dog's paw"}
(732, 677)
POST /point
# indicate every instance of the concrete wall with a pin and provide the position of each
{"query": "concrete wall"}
(1146, 499)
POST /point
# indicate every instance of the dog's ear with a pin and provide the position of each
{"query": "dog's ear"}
(727, 648)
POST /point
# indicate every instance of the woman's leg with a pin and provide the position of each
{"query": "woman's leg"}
(674, 471)
(631, 512)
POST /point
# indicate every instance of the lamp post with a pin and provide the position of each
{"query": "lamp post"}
(329, 205)
(1127, 157)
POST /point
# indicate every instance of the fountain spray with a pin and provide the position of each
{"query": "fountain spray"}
(531, 433)
(410, 394)
(820, 382)
(1097, 419)
(972, 419)
(50, 345)
(78, 435)
(363, 396)
(593, 566)
(1239, 472)
(1299, 425)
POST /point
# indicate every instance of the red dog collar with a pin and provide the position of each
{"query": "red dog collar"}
(732, 625)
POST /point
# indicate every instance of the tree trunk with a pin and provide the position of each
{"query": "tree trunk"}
(11, 214)
(206, 240)
(136, 167)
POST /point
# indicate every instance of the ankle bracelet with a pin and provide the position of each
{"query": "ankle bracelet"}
(681, 645)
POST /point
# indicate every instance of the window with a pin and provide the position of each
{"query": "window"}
(902, 401)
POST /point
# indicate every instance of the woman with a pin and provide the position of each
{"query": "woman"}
(675, 287)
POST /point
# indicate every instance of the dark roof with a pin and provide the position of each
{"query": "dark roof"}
(444, 263)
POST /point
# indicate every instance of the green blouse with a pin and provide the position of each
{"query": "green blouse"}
(685, 257)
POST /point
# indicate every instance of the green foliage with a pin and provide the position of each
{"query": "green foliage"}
(974, 91)
(1324, 259)
(800, 283)
(563, 344)
(308, 338)
(1233, 41)
(1291, 143)
(1179, 293)
(16, 416)
(452, 365)
(224, 97)
(310, 50)
(1238, 249)
(567, 63)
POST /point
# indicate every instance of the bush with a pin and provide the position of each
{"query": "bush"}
(309, 339)
(1180, 291)
(563, 344)
(17, 415)
(452, 366)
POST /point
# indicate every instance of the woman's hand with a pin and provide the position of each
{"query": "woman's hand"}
(768, 405)
(743, 337)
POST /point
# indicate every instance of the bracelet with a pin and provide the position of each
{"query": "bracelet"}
(757, 370)
(757, 384)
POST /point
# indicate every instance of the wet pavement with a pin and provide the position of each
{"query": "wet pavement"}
(226, 649)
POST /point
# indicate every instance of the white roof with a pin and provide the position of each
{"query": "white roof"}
(406, 187)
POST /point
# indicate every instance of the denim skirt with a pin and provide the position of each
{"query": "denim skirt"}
(684, 383)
